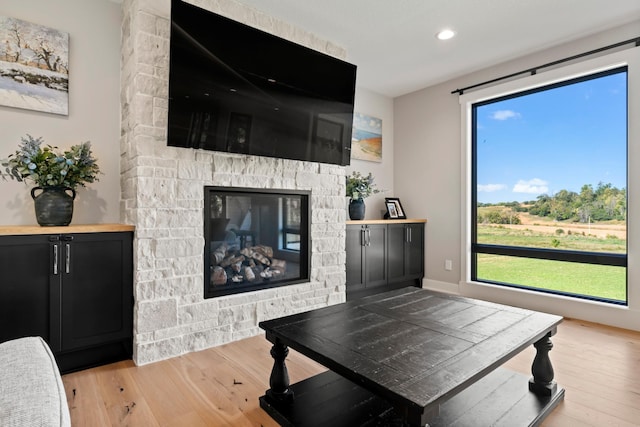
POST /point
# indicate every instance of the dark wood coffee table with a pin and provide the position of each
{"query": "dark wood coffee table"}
(413, 357)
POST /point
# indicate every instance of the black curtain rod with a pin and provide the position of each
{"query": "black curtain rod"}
(534, 70)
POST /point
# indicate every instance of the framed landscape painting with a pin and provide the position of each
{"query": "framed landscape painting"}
(34, 67)
(366, 139)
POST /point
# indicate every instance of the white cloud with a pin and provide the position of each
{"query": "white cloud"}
(505, 115)
(490, 188)
(533, 186)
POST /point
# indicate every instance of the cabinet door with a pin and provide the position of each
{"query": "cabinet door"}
(375, 252)
(355, 257)
(26, 298)
(396, 252)
(406, 252)
(414, 254)
(97, 293)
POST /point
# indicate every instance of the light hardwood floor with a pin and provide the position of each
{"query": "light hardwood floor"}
(599, 367)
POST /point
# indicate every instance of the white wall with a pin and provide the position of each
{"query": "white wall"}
(380, 106)
(94, 106)
(94, 112)
(427, 170)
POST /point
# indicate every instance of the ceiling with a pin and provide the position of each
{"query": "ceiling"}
(393, 42)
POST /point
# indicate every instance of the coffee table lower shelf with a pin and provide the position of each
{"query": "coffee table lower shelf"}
(501, 398)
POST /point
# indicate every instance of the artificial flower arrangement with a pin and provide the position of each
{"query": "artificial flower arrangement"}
(48, 167)
(360, 186)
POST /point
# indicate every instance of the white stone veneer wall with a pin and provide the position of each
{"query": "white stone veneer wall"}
(162, 195)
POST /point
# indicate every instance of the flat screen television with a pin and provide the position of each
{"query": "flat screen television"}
(237, 89)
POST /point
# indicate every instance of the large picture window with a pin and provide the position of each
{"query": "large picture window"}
(549, 188)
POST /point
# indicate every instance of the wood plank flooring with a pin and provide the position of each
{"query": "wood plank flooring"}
(599, 367)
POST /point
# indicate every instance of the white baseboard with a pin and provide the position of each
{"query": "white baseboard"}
(591, 311)
(436, 285)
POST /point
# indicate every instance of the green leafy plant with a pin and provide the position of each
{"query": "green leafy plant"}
(360, 186)
(47, 167)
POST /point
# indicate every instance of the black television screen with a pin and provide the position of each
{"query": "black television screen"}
(237, 89)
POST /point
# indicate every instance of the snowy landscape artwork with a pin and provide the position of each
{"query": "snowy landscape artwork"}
(34, 67)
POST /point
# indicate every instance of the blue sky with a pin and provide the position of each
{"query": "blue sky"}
(558, 139)
(368, 124)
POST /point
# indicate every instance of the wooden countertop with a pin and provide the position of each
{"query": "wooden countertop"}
(12, 230)
(387, 221)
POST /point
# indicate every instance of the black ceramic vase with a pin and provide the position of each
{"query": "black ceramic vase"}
(356, 209)
(54, 205)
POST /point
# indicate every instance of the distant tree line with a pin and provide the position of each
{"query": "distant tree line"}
(605, 203)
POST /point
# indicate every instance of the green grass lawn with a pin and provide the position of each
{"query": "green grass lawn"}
(598, 281)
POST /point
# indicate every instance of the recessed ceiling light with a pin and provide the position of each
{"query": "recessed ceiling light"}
(445, 34)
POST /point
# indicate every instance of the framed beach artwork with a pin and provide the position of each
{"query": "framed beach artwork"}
(366, 139)
(34, 67)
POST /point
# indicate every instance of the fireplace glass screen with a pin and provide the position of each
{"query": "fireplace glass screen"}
(254, 239)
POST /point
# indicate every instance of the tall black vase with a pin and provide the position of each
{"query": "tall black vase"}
(356, 209)
(54, 205)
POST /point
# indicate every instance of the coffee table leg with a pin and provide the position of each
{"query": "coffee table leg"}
(542, 382)
(279, 379)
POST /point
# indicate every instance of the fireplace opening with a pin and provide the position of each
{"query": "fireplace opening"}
(254, 239)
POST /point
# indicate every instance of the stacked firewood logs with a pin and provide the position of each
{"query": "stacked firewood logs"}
(230, 265)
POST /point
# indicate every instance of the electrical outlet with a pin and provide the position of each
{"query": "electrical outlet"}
(448, 265)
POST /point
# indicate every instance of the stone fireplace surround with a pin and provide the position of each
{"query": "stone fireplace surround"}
(162, 195)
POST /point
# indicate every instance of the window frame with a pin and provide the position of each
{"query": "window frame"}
(584, 257)
(596, 311)
(287, 229)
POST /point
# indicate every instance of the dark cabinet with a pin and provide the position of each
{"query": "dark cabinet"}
(406, 252)
(366, 247)
(73, 289)
(382, 256)
(25, 294)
